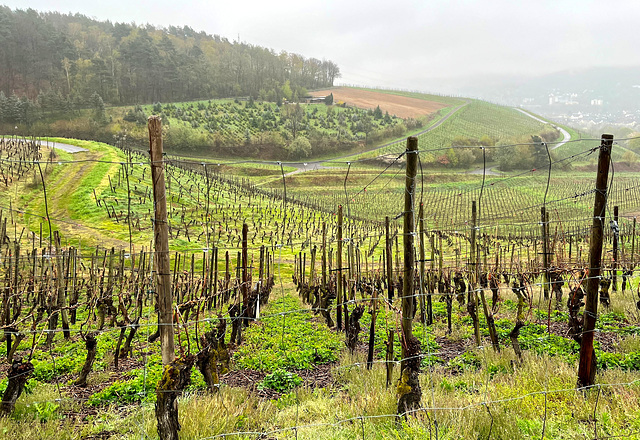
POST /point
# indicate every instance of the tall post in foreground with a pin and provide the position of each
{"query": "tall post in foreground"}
(161, 237)
(389, 260)
(409, 385)
(545, 251)
(339, 269)
(425, 312)
(472, 304)
(324, 255)
(245, 264)
(176, 376)
(614, 263)
(587, 367)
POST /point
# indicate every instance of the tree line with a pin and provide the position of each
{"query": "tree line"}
(74, 57)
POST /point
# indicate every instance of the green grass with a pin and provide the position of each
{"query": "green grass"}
(289, 339)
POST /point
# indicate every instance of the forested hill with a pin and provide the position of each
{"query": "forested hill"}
(73, 57)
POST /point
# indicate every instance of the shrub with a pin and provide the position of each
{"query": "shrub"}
(280, 381)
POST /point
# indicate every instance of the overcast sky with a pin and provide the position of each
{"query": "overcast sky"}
(402, 43)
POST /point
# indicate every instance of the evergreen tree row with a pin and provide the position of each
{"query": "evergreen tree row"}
(69, 57)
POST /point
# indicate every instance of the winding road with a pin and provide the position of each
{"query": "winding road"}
(59, 146)
(566, 137)
(64, 147)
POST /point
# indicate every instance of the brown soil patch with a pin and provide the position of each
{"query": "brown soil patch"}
(450, 349)
(318, 377)
(400, 106)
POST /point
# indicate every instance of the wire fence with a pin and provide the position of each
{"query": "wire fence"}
(510, 243)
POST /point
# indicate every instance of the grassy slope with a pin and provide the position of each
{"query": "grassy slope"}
(72, 209)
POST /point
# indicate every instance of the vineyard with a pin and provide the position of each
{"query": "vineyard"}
(477, 119)
(349, 302)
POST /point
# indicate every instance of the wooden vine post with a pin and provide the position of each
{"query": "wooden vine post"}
(339, 269)
(472, 305)
(409, 390)
(176, 375)
(587, 366)
(614, 263)
(161, 240)
(389, 260)
(545, 251)
(633, 244)
(245, 264)
(324, 255)
(424, 310)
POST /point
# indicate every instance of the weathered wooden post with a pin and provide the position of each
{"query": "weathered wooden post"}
(245, 264)
(372, 327)
(389, 260)
(339, 269)
(324, 255)
(422, 277)
(472, 305)
(614, 263)
(633, 244)
(409, 386)
(176, 375)
(161, 237)
(587, 366)
(545, 251)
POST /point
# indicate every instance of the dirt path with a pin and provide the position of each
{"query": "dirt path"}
(60, 209)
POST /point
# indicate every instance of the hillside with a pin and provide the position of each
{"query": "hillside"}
(58, 61)
(359, 121)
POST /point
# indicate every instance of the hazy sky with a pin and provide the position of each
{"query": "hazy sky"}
(402, 43)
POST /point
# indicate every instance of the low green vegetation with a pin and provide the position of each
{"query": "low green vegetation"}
(280, 381)
(288, 339)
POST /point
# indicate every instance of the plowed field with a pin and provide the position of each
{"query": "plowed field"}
(400, 106)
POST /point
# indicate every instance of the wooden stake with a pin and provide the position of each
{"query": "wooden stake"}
(339, 269)
(614, 263)
(545, 252)
(408, 230)
(161, 236)
(587, 366)
(389, 260)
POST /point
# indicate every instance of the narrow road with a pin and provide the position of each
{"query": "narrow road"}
(566, 137)
(64, 147)
(489, 171)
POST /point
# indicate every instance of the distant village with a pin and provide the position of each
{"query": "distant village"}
(586, 110)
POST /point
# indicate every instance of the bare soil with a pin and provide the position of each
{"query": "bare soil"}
(400, 106)
(318, 377)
